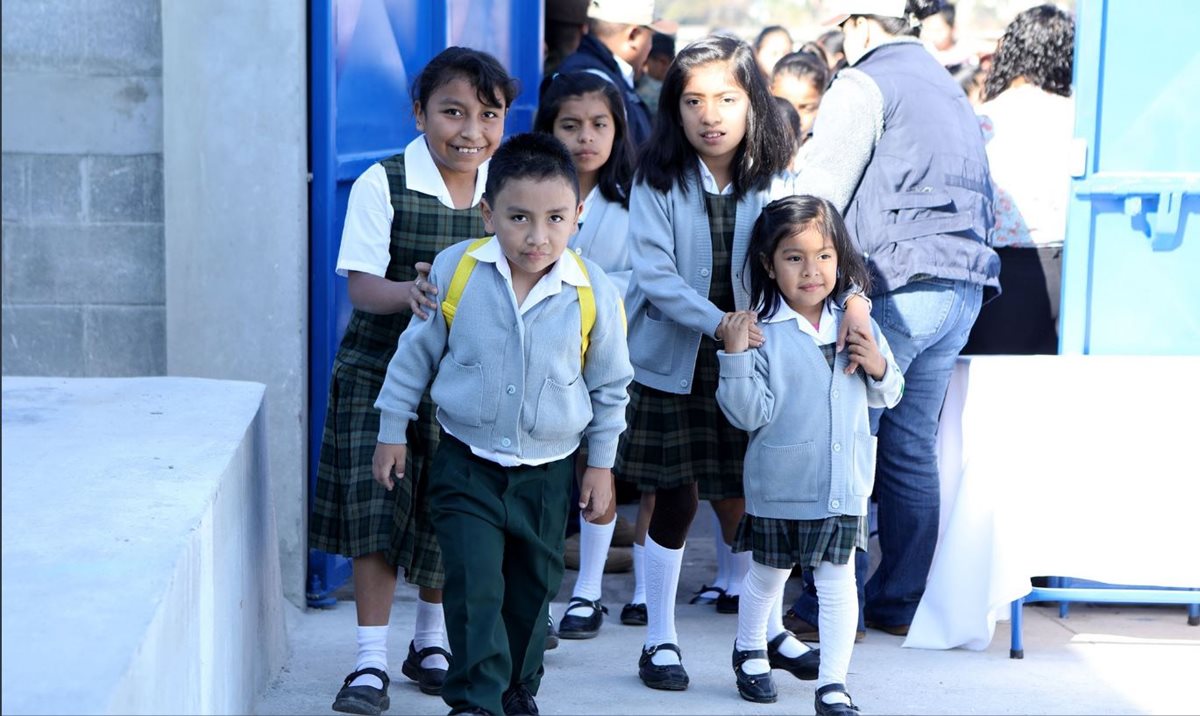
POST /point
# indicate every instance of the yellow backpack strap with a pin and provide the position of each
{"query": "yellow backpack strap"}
(587, 311)
(458, 282)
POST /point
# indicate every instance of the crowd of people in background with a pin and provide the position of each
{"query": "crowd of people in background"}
(850, 211)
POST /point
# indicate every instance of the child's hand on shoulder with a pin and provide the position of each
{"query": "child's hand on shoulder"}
(865, 352)
(735, 331)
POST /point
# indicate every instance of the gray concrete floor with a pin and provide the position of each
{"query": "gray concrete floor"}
(1102, 659)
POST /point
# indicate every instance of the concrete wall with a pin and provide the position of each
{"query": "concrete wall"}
(139, 547)
(83, 290)
(235, 137)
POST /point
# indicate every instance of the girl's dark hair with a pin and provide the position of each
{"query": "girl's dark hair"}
(667, 158)
(806, 66)
(529, 155)
(791, 120)
(1037, 45)
(915, 9)
(767, 32)
(787, 217)
(617, 173)
(484, 72)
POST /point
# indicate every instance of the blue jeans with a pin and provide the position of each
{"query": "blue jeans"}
(926, 323)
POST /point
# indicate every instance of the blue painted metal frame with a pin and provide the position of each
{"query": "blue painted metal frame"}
(359, 111)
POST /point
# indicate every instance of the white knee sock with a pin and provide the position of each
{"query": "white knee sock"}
(430, 630)
(762, 587)
(639, 574)
(372, 652)
(594, 541)
(739, 563)
(723, 555)
(790, 646)
(838, 619)
(662, 581)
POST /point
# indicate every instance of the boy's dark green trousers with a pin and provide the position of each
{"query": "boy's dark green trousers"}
(501, 531)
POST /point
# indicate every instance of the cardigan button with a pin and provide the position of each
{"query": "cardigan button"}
(837, 447)
(703, 272)
(505, 442)
(835, 504)
(683, 384)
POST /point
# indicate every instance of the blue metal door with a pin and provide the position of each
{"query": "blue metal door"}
(364, 55)
(1131, 267)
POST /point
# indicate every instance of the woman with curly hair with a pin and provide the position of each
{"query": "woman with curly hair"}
(1028, 119)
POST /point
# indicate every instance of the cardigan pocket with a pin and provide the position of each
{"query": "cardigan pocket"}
(784, 473)
(563, 411)
(654, 346)
(458, 392)
(863, 478)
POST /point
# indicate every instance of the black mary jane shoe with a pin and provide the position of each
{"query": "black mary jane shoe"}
(672, 677)
(803, 667)
(728, 603)
(702, 595)
(518, 701)
(429, 681)
(576, 627)
(834, 709)
(758, 688)
(363, 699)
(634, 614)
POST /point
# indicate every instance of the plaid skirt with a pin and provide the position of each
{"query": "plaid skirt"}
(353, 515)
(676, 440)
(783, 544)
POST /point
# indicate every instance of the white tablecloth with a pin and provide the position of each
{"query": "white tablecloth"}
(1080, 466)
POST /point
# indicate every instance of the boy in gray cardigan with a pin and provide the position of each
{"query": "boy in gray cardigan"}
(530, 361)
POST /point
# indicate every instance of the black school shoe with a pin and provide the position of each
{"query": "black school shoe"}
(363, 699)
(672, 677)
(728, 603)
(702, 595)
(803, 667)
(519, 702)
(634, 614)
(551, 634)
(429, 681)
(838, 709)
(758, 688)
(576, 627)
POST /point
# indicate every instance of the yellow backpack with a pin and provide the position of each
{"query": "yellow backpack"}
(462, 273)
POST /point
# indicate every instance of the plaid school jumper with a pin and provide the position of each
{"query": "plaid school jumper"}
(675, 439)
(352, 514)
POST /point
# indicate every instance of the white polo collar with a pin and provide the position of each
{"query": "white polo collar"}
(421, 174)
(827, 333)
(565, 270)
(709, 182)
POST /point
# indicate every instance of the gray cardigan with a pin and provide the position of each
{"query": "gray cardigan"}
(811, 453)
(512, 384)
(671, 247)
(604, 238)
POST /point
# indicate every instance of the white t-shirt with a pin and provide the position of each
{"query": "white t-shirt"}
(1028, 133)
(367, 234)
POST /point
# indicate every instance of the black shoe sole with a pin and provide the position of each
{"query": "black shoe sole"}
(358, 706)
(578, 634)
(670, 683)
(757, 699)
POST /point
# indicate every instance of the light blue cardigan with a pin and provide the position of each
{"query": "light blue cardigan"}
(603, 238)
(667, 300)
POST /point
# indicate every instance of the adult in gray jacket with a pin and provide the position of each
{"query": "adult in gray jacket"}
(898, 150)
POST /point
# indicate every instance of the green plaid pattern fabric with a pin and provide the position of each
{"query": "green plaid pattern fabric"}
(676, 440)
(783, 544)
(351, 514)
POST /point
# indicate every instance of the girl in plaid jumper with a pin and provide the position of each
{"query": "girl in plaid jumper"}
(810, 464)
(401, 212)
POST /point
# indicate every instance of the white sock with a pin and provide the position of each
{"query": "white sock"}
(838, 619)
(762, 587)
(789, 647)
(739, 562)
(372, 652)
(430, 630)
(662, 582)
(723, 555)
(639, 574)
(594, 541)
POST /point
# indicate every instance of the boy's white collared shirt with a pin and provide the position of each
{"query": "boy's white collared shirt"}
(709, 182)
(564, 270)
(824, 335)
(367, 233)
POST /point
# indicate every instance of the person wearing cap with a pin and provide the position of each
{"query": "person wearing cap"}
(616, 46)
(898, 150)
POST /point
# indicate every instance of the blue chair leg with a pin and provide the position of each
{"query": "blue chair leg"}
(1194, 615)
(1016, 648)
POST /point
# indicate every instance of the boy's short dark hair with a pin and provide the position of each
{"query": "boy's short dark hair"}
(662, 45)
(530, 155)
